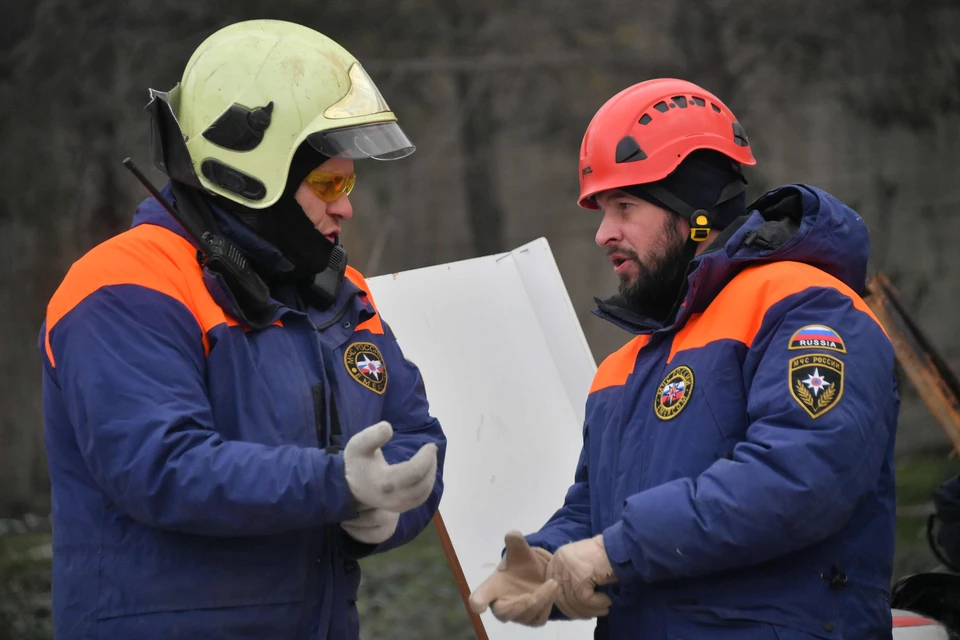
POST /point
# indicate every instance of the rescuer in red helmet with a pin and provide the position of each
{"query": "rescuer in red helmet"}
(736, 477)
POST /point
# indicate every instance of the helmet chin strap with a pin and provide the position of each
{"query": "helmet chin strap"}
(700, 220)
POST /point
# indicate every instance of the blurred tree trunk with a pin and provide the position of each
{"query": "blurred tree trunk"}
(477, 129)
(700, 30)
(477, 132)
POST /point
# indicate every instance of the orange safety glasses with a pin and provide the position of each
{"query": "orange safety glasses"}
(330, 186)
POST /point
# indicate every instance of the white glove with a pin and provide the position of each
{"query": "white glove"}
(376, 484)
(372, 526)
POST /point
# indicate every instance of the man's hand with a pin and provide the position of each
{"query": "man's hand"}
(372, 526)
(394, 487)
(517, 591)
(579, 567)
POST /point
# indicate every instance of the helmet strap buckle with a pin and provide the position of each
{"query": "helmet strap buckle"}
(699, 225)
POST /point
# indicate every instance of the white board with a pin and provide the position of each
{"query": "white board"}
(507, 371)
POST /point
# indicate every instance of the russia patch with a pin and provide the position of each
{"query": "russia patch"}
(817, 336)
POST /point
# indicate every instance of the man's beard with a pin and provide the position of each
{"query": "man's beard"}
(659, 282)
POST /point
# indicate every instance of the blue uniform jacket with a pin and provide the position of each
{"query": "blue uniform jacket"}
(193, 495)
(739, 461)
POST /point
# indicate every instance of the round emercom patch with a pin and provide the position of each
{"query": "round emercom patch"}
(674, 393)
(365, 365)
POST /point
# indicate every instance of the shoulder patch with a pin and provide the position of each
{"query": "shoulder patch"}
(817, 336)
(365, 364)
(816, 382)
(674, 392)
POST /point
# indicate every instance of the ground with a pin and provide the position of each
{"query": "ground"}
(410, 592)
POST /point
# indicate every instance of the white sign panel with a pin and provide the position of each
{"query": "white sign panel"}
(507, 371)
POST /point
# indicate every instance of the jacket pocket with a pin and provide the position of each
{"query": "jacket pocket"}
(167, 572)
(722, 623)
(718, 623)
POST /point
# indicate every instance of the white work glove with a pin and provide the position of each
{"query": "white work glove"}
(580, 567)
(517, 591)
(375, 483)
(372, 526)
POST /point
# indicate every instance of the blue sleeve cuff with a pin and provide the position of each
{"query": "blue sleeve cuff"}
(535, 540)
(616, 544)
(332, 494)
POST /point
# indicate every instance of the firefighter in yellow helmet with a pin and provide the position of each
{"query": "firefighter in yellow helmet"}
(230, 423)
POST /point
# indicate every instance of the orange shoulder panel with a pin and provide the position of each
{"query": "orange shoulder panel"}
(617, 367)
(148, 256)
(738, 311)
(373, 325)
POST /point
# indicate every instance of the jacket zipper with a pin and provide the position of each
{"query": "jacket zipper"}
(330, 438)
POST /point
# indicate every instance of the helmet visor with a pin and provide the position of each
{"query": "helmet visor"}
(380, 141)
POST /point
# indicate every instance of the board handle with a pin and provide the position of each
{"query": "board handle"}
(457, 570)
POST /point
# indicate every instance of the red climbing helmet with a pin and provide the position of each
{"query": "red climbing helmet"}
(641, 134)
